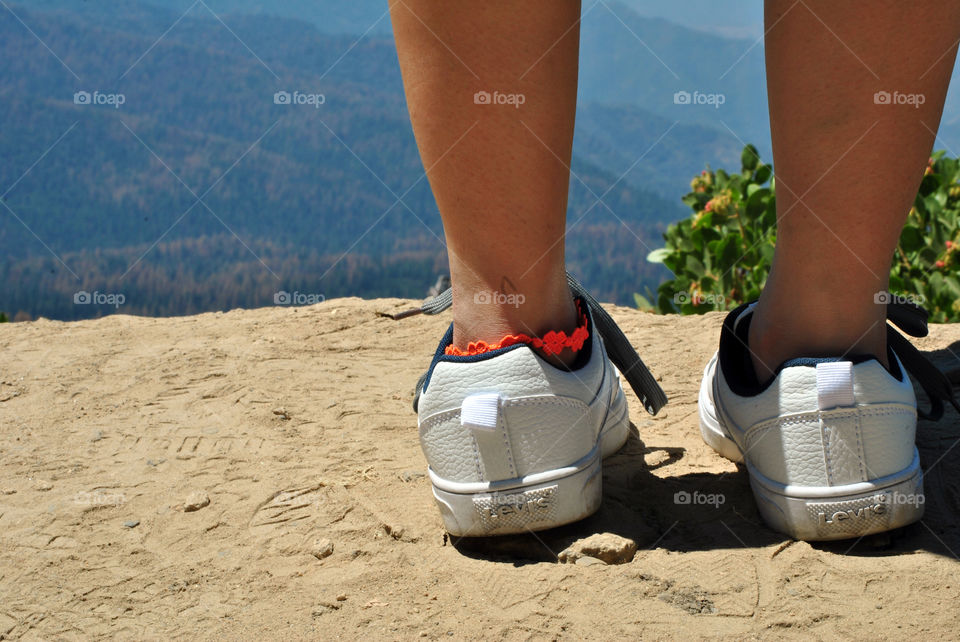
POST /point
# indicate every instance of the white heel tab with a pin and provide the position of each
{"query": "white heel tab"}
(480, 411)
(835, 385)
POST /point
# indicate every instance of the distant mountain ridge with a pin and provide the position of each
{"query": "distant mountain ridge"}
(292, 196)
(633, 52)
(626, 59)
(116, 192)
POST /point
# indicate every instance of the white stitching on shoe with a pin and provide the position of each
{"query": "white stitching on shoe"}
(507, 448)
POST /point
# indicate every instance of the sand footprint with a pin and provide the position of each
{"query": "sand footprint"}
(291, 521)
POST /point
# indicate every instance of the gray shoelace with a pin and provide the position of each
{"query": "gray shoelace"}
(912, 319)
(908, 317)
(618, 347)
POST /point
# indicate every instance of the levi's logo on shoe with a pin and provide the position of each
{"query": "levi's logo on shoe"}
(525, 506)
(863, 512)
(849, 513)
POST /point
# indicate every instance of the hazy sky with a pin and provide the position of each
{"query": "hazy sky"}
(733, 18)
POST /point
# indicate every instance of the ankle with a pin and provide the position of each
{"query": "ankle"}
(490, 319)
(776, 336)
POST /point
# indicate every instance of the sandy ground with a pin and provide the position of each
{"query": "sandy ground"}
(296, 426)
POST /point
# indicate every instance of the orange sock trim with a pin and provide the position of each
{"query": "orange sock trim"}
(552, 342)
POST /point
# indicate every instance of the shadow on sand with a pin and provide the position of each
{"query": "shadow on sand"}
(649, 509)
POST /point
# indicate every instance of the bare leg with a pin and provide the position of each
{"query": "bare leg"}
(847, 169)
(499, 173)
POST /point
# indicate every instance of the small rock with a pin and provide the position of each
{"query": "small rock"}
(325, 607)
(373, 603)
(132, 523)
(42, 484)
(341, 598)
(8, 491)
(589, 561)
(322, 548)
(656, 458)
(282, 413)
(97, 436)
(396, 532)
(156, 462)
(411, 475)
(195, 501)
(608, 547)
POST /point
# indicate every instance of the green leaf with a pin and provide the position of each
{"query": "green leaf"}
(665, 303)
(693, 199)
(896, 283)
(925, 258)
(933, 204)
(763, 174)
(731, 253)
(642, 302)
(952, 284)
(940, 196)
(757, 203)
(749, 158)
(911, 239)
(766, 253)
(658, 255)
(694, 266)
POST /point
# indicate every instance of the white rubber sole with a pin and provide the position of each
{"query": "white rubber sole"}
(535, 502)
(841, 512)
(820, 513)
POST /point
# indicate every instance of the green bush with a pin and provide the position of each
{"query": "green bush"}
(721, 255)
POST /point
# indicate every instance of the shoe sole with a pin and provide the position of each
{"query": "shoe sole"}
(821, 513)
(534, 502)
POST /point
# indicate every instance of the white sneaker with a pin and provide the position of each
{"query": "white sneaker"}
(513, 443)
(828, 444)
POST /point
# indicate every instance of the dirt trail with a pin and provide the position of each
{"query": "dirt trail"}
(297, 425)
